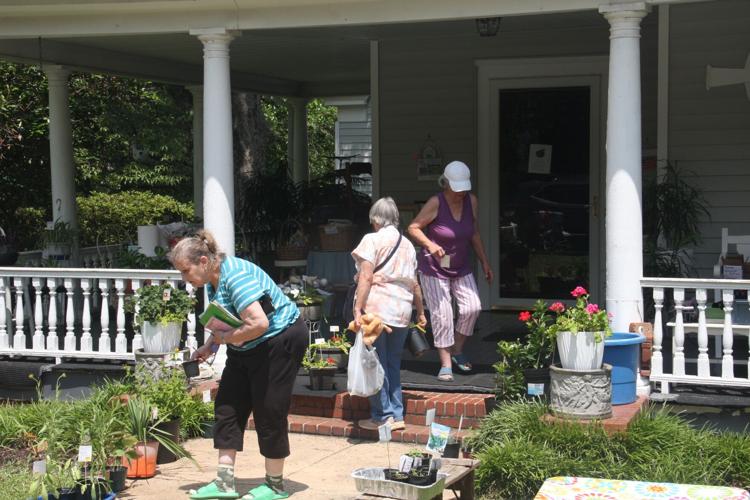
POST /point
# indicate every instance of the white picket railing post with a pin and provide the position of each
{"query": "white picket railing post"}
(4, 340)
(70, 338)
(704, 367)
(678, 357)
(53, 342)
(727, 335)
(121, 342)
(87, 342)
(137, 338)
(104, 339)
(37, 340)
(19, 337)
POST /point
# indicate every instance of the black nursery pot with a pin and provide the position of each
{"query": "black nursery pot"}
(417, 343)
(420, 480)
(536, 383)
(191, 368)
(117, 475)
(67, 493)
(396, 475)
(172, 428)
(451, 450)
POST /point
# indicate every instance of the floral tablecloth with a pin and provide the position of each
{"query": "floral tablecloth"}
(585, 488)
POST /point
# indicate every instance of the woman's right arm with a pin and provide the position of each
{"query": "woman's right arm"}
(422, 220)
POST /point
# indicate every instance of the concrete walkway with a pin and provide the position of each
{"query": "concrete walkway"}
(319, 468)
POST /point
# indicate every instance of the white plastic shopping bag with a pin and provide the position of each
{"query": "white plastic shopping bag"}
(365, 374)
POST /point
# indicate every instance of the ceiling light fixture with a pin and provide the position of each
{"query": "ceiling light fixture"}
(488, 26)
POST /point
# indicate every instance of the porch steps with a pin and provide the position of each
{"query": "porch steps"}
(333, 413)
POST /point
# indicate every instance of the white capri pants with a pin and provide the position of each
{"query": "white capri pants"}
(438, 293)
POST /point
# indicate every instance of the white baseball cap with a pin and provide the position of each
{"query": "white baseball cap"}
(458, 176)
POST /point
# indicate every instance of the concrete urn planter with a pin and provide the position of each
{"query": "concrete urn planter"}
(581, 394)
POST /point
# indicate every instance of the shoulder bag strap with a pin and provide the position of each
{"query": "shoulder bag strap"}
(380, 266)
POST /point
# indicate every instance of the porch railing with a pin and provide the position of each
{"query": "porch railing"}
(75, 313)
(98, 256)
(686, 323)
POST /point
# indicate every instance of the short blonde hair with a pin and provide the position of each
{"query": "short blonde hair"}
(384, 212)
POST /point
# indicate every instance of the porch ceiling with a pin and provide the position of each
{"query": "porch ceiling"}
(320, 61)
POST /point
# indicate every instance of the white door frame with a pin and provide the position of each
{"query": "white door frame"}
(494, 75)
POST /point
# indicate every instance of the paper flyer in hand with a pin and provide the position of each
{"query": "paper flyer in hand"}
(438, 437)
(218, 320)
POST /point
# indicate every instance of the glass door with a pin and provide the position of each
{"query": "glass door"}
(544, 172)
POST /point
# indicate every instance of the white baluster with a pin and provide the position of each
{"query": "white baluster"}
(53, 343)
(657, 362)
(679, 333)
(19, 339)
(104, 339)
(121, 342)
(704, 366)
(727, 335)
(87, 342)
(137, 338)
(70, 337)
(38, 339)
(4, 339)
(191, 343)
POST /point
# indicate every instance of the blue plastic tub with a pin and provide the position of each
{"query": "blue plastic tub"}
(621, 351)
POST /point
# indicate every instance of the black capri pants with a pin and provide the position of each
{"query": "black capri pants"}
(260, 381)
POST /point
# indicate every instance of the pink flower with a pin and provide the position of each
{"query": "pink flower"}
(592, 308)
(557, 307)
(524, 316)
(579, 290)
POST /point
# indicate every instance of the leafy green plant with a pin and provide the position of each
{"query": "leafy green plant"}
(314, 358)
(335, 342)
(536, 350)
(168, 392)
(145, 428)
(160, 304)
(133, 259)
(59, 475)
(61, 233)
(195, 414)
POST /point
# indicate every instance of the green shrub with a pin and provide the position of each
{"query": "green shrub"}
(518, 451)
(107, 219)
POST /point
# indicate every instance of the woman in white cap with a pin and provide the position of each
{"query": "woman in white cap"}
(445, 228)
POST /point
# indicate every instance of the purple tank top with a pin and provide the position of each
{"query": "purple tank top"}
(455, 238)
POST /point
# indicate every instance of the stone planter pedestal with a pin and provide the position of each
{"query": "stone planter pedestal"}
(581, 394)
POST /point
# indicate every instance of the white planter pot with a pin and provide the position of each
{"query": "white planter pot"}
(580, 351)
(160, 338)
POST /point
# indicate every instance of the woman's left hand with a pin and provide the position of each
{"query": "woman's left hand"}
(421, 321)
(488, 275)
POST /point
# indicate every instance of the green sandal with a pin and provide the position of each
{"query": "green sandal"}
(211, 491)
(264, 492)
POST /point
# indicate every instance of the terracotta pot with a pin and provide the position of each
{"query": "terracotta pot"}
(145, 465)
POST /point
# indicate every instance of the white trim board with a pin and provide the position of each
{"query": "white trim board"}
(492, 75)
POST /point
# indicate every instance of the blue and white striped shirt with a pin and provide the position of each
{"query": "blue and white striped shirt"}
(240, 284)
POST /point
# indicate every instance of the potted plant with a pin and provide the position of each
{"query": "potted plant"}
(160, 311)
(60, 480)
(59, 238)
(169, 395)
(321, 369)
(524, 364)
(580, 331)
(309, 301)
(149, 437)
(336, 347)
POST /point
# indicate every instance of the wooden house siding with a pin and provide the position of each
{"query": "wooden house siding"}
(709, 130)
(428, 85)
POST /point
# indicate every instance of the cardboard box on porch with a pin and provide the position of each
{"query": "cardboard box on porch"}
(732, 267)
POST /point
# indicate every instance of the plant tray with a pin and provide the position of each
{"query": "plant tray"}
(372, 480)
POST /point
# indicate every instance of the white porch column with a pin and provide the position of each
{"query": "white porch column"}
(197, 91)
(623, 211)
(300, 168)
(61, 146)
(218, 171)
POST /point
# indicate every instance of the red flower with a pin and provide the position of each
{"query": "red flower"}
(578, 291)
(331, 361)
(524, 316)
(592, 308)
(557, 307)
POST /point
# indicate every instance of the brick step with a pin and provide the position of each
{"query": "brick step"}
(449, 407)
(323, 426)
